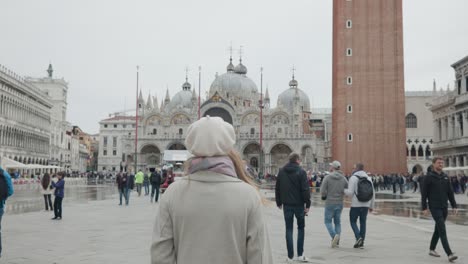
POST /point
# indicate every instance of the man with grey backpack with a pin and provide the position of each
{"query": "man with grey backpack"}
(361, 189)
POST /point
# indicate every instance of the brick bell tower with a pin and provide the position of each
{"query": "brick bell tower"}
(368, 85)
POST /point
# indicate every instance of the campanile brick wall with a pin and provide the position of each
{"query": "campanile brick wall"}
(377, 120)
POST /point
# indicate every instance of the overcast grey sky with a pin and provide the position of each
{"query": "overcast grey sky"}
(96, 45)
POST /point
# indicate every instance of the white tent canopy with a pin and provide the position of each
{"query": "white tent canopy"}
(455, 168)
(176, 155)
(8, 163)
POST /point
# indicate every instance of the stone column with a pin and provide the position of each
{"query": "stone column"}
(457, 132)
(436, 130)
(450, 127)
(443, 129)
(465, 123)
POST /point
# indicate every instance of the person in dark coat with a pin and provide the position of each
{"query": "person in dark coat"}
(122, 187)
(292, 194)
(438, 190)
(155, 181)
(59, 195)
(130, 186)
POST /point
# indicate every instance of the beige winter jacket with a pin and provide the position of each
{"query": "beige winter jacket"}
(208, 218)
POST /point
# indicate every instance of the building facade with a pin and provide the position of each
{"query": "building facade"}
(368, 85)
(232, 96)
(450, 117)
(419, 130)
(60, 140)
(25, 120)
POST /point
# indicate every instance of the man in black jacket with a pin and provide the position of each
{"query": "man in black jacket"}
(293, 196)
(438, 190)
(155, 180)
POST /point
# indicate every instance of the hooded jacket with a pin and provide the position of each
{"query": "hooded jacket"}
(438, 190)
(292, 187)
(7, 177)
(333, 187)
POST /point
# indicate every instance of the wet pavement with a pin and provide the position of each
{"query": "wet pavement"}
(28, 197)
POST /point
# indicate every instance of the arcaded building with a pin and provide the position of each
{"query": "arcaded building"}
(368, 85)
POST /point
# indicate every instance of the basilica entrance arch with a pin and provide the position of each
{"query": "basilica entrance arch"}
(220, 112)
(417, 169)
(150, 155)
(177, 146)
(252, 154)
(279, 157)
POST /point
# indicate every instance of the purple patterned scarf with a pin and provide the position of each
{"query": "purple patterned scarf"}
(222, 164)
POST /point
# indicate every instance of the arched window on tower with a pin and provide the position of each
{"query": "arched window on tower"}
(411, 121)
(181, 131)
(155, 132)
(428, 152)
(420, 151)
(252, 131)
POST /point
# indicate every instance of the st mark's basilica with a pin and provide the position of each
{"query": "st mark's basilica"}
(234, 97)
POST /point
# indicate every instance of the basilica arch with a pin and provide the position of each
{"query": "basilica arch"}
(279, 154)
(176, 146)
(151, 155)
(220, 112)
(252, 153)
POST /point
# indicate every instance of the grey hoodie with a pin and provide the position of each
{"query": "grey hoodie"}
(333, 187)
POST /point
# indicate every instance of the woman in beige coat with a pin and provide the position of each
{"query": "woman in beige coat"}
(214, 215)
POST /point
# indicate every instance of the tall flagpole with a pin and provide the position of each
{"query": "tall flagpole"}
(136, 122)
(199, 90)
(261, 121)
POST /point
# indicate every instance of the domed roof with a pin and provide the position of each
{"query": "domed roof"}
(240, 68)
(230, 66)
(286, 98)
(236, 85)
(182, 99)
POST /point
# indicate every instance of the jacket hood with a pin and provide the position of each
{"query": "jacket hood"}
(291, 167)
(336, 175)
(435, 174)
(361, 174)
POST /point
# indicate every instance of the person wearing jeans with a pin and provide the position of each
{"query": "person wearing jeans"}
(10, 191)
(332, 191)
(292, 194)
(359, 209)
(59, 194)
(155, 180)
(438, 189)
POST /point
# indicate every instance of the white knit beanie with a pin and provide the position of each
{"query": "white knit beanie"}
(210, 136)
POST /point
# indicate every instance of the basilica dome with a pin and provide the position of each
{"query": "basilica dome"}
(286, 98)
(182, 99)
(235, 84)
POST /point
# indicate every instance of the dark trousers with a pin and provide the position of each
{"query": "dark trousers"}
(440, 215)
(146, 185)
(1, 215)
(394, 187)
(154, 192)
(354, 214)
(48, 201)
(289, 213)
(58, 206)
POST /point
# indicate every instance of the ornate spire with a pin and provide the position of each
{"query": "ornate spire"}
(149, 102)
(186, 86)
(167, 99)
(50, 70)
(140, 97)
(155, 103)
(230, 67)
(267, 94)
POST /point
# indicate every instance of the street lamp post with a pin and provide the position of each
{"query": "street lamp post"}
(260, 104)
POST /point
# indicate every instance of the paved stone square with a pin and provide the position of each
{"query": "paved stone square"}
(103, 232)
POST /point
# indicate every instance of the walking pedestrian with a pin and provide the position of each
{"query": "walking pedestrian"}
(214, 215)
(6, 190)
(46, 190)
(363, 199)
(139, 178)
(146, 182)
(155, 184)
(292, 194)
(122, 187)
(438, 190)
(130, 186)
(332, 191)
(59, 194)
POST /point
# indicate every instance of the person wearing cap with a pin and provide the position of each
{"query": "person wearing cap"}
(214, 214)
(332, 191)
(292, 194)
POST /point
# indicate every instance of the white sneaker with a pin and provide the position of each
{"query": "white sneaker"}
(302, 259)
(335, 241)
(288, 260)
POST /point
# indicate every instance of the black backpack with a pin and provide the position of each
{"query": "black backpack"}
(3, 187)
(365, 192)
